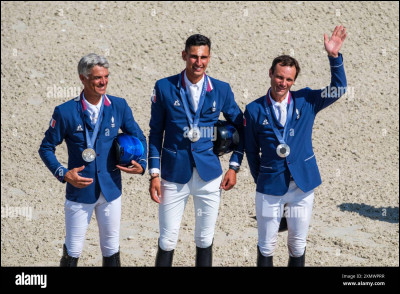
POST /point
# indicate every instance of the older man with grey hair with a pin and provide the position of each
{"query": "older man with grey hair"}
(89, 124)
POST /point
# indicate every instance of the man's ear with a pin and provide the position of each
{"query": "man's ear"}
(184, 54)
(82, 78)
(270, 73)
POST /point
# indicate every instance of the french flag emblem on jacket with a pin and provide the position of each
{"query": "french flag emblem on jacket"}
(153, 96)
(52, 123)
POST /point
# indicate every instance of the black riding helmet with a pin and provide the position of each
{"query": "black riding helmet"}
(227, 138)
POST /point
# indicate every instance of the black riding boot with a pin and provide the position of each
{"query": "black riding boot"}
(264, 261)
(112, 261)
(66, 260)
(204, 256)
(164, 258)
(297, 261)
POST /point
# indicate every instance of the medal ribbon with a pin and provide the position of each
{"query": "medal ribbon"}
(195, 122)
(278, 135)
(90, 141)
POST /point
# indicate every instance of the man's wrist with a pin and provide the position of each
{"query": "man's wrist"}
(235, 168)
(334, 56)
(154, 171)
(154, 176)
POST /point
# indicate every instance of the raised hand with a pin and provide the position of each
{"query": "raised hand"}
(333, 45)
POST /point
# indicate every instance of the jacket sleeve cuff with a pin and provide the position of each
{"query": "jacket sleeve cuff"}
(143, 163)
(60, 173)
(154, 162)
(236, 157)
(154, 171)
(336, 62)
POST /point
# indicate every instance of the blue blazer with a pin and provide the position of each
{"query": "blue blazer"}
(168, 143)
(67, 124)
(272, 173)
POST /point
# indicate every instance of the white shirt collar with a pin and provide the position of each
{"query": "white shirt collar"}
(276, 104)
(92, 106)
(198, 84)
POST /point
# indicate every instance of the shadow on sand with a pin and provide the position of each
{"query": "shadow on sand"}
(386, 214)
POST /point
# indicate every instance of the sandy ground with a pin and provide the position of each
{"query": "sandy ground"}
(356, 141)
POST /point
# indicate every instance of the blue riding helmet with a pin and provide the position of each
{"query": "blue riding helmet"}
(127, 148)
(227, 138)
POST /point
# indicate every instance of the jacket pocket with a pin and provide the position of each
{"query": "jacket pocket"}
(309, 158)
(266, 166)
(169, 150)
(168, 162)
(266, 169)
(205, 149)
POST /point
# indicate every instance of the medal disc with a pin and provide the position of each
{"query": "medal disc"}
(283, 150)
(194, 134)
(88, 155)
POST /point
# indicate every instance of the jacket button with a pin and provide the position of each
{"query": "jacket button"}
(98, 171)
(98, 154)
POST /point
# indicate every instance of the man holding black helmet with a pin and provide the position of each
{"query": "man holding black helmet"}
(184, 109)
(89, 124)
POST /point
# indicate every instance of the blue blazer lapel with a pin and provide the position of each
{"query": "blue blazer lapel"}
(190, 102)
(209, 94)
(298, 105)
(88, 121)
(208, 97)
(86, 118)
(276, 121)
(107, 113)
(181, 84)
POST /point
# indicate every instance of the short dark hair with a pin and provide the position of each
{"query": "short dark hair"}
(197, 40)
(285, 60)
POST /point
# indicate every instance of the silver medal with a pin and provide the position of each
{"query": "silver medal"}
(283, 150)
(194, 134)
(88, 155)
